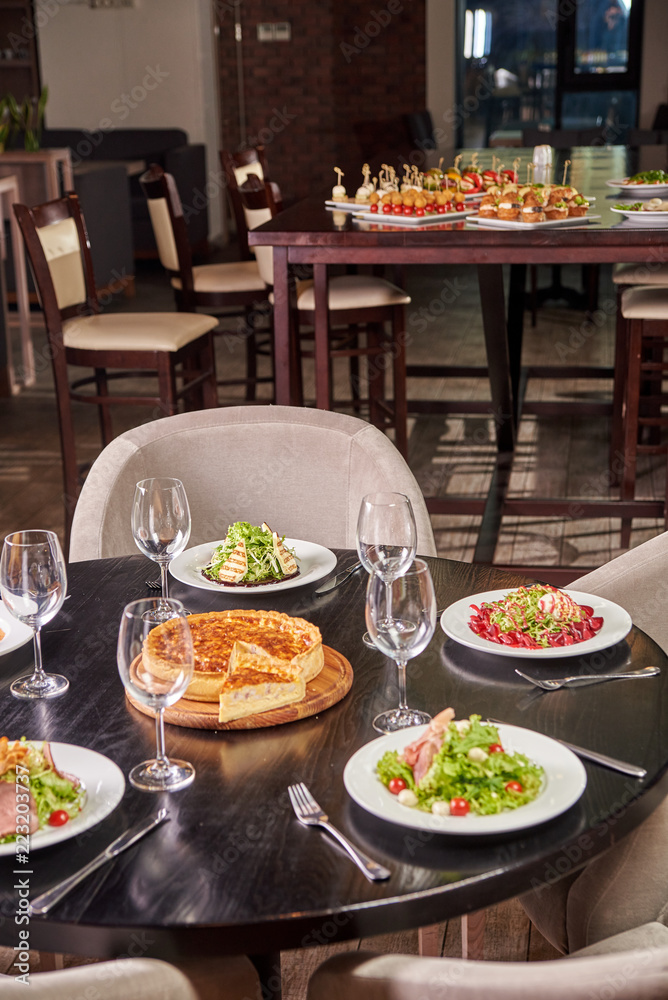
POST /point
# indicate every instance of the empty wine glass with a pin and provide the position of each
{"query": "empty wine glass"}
(411, 626)
(386, 540)
(161, 529)
(33, 582)
(156, 689)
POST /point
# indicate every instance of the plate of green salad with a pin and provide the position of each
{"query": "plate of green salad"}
(484, 779)
(197, 566)
(72, 788)
(520, 629)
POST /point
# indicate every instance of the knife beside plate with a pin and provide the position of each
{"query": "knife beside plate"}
(43, 903)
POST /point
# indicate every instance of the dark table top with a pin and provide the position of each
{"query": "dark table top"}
(309, 224)
(233, 872)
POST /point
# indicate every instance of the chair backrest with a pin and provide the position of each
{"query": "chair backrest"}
(303, 471)
(420, 128)
(58, 249)
(258, 200)
(169, 225)
(238, 167)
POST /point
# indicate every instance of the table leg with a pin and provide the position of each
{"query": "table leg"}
(323, 396)
(268, 968)
(282, 367)
(490, 279)
(518, 277)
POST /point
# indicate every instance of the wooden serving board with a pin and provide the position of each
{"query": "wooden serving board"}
(330, 686)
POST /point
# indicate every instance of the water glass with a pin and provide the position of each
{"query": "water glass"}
(161, 529)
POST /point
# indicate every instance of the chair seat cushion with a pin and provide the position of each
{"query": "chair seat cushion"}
(237, 276)
(354, 291)
(135, 331)
(651, 273)
(644, 302)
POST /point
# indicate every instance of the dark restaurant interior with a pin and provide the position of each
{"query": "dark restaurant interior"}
(518, 370)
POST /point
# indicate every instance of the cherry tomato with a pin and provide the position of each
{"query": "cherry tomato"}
(460, 206)
(396, 785)
(387, 209)
(495, 748)
(397, 209)
(408, 209)
(58, 818)
(440, 209)
(514, 786)
(373, 208)
(419, 211)
(459, 807)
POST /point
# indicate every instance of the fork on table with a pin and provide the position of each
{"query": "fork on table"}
(309, 813)
(559, 682)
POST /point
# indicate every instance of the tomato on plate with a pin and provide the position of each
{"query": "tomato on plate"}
(397, 209)
(59, 818)
(373, 208)
(396, 785)
(495, 748)
(459, 807)
(460, 206)
(514, 786)
(408, 209)
(419, 211)
(387, 209)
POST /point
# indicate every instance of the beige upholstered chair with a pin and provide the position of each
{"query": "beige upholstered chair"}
(627, 885)
(237, 167)
(169, 345)
(303, 471)
(632, 966)
(237, 285)
(141, 979)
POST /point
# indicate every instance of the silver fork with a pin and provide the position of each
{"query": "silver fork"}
(310, 813)
(153, 584)
(559, 682)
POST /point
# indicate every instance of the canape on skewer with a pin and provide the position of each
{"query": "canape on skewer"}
(533, 209)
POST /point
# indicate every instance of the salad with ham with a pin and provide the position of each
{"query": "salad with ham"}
(53, 797)
(534, 617)
(458, 767)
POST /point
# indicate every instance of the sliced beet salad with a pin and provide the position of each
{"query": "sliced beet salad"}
(535, 617)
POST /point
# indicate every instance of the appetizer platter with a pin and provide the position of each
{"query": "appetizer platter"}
(465, 777)
(507, 623)
(422, 219)
(645, 184)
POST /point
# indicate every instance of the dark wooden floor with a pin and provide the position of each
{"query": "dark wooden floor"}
(449, 455)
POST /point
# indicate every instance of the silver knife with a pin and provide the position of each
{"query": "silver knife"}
(337, 580)
(42, 904)
(596, 757)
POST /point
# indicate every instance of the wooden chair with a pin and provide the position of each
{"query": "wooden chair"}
(237, 167)
(177, 347)
(237, 285)
(355, 301)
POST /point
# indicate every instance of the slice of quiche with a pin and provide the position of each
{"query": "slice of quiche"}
(251, 692)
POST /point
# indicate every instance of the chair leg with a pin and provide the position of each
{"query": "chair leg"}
(399, 379)
(618, 386)
(167, 384)
(251, 356)
(104, 414)
(533, 277)
(207, 363)
(630, 420)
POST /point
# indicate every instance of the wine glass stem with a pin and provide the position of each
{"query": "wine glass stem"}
(164, 579)
(160, 755)
(401, 667)
(38, 677)
(388, 600)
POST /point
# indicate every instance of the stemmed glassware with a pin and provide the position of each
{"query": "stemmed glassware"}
(33, 582)
(157, 690)
(408, 604)
(161, 529)
(386, 540)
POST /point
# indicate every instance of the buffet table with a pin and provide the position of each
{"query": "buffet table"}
(233, 872)
(308, 233)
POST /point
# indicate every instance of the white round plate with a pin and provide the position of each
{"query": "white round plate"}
(16, 633)
(104, 783)
(642, 217)
(565, 781)
(616, 625)
(315, 561)
(640, 190)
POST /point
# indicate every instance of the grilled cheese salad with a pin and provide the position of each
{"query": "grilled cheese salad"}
(250, 556)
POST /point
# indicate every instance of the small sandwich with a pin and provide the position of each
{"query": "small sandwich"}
(509, 208)
(578, 207)
(557, 210)
(533, 209)
(488, 207)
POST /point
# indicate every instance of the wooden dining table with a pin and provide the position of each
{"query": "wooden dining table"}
(233, 872)
(308, 233)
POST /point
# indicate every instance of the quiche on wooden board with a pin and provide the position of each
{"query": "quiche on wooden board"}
(248, 661)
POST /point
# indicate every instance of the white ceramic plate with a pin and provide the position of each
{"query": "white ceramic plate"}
(616, 625)
(643, 217)
(414, 220)
(342, 206)
(565, 781)
(16, 633)
(548, 224)
(104, 783)
(315, 561)
(640, 190)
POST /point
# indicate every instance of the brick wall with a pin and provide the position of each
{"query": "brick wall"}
(332, 96)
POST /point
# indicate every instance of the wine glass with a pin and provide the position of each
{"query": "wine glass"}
(161, 529)
(412, 623)
(33, 582)
(158, 691)
(386, 540)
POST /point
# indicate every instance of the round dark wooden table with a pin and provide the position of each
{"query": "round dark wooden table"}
(233, 872)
